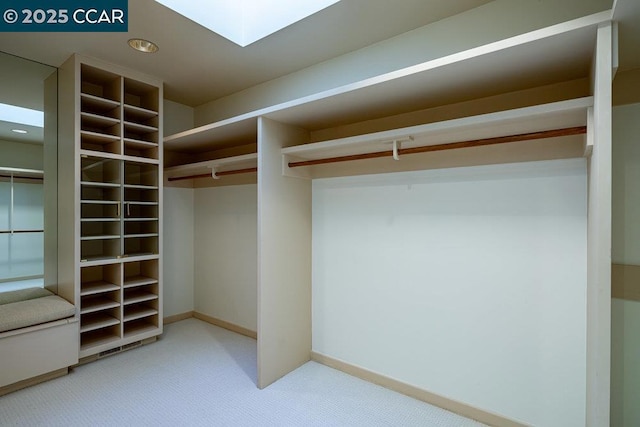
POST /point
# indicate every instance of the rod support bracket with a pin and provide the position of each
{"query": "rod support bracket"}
(396, 147)
(213, 172)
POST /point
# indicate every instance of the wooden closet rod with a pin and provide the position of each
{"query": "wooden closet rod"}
(452, 146)
(208, 175)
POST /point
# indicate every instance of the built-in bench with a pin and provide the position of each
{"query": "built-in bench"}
(38, 337)
(32, 306)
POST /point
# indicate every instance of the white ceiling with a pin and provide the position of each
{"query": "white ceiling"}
(198, 65)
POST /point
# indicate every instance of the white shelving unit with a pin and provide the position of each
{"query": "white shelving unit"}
(363, 117)
(111, 163)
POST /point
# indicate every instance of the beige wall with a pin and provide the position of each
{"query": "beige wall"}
(626, 87)
(178, 251)
(625, 319)
(226, 254)
(18, 155)
(178, 226)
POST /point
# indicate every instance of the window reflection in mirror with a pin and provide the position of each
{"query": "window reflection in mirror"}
(28, 174)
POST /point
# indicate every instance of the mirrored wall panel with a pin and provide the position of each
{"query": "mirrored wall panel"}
(28, 171)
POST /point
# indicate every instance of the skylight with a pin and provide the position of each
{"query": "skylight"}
(21, 115)
(246, 21)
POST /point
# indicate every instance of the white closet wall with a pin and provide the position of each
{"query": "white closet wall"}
(178, 226)
(226, 254)
(468, 283)
(178, 247)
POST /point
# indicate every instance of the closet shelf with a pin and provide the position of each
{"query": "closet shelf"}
(100, 220)
(135, 281)
(550, 55)
(139, 127)
(96, 120)
(134, 202)
(100, 154)
(95, 321)
(98, 138)
(99, 202)
(547, 117)
(139, 256)
(92, 305)
(99, 260)
(100, 237)
(96, 339)
(139, 327)
(97, 287)
(140, 235)
(145, 160)
(246, 163)
(137, 143)
(133, 219)
(95, 102)
(134, 113)
(99, 184)
(137, 296)
(141, 187)
(138, 312)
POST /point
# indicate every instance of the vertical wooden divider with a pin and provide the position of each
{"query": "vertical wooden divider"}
(599, 238)
(284, 257)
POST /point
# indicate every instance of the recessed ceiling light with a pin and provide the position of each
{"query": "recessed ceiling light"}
(143, 45)
(18, 130)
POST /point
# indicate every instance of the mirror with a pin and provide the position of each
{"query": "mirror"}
(28, 174)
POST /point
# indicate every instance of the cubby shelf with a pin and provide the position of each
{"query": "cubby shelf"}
(99, 202)
(97, 304)
(138, 113)
(138, 312)
(98, 138)
(136, 143)
(99, 184)
(135, 281)
(94, 321)
(96, 103)
(138, 327)
(96, 339)
(138, 127)
(138, 296)
(96, 120)
(97, 287)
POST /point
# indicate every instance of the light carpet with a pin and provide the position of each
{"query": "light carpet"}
(202, 375)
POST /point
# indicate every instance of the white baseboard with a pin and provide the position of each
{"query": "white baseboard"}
(226, 325)
(177, 317)
(459, 408)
